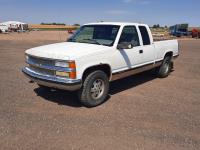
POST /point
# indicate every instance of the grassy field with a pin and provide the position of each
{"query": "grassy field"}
(160, 30)
(52, 27)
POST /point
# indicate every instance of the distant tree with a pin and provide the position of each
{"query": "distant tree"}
(76, 24)
(54, 23)
(166, 26)
(156, 26)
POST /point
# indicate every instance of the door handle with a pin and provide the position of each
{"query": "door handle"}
(140, 51)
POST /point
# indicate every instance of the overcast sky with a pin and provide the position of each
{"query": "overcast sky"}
(164, 12)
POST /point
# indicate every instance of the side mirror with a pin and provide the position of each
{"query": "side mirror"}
(124, 45)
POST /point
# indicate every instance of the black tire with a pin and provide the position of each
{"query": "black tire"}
(88, 94)
(164, 70)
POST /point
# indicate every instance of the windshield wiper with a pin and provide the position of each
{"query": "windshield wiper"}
(71, 40)
(93, 40)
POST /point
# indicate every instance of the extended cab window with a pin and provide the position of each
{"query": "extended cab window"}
(145, 35)
(130, 35)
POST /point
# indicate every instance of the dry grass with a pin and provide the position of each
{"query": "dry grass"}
(37, 26)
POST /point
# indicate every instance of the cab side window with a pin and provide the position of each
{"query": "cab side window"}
(145, 35)
(130, 35)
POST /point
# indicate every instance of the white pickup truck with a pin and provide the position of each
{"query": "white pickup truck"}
(97, 54)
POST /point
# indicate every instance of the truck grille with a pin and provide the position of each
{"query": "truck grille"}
(41, 61)
(42, 70)
(35, 64)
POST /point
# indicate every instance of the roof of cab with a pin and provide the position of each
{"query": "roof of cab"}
(115, 23)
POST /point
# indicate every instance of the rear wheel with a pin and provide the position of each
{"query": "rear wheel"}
(95, 89)
(165, 69)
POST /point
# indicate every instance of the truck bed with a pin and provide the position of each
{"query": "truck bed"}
(166, 45)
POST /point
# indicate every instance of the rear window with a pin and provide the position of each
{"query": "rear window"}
(145, 35)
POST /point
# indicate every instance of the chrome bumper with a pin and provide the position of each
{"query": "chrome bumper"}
(52, 81)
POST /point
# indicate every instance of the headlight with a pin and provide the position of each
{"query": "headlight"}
(64, 64)
(71, 65)
(26, 58)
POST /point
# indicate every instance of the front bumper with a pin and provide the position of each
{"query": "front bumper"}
(52, 81)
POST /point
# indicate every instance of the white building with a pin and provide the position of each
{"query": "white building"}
(15, 25)
(3, 28)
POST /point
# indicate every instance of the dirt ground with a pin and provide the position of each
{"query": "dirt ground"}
(142, 113)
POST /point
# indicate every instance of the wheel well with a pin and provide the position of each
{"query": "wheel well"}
(103, 67)
(170, 54)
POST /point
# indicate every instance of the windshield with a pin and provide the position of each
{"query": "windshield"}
(96, 34)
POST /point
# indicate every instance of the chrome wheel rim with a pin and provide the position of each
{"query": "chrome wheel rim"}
(97, 89)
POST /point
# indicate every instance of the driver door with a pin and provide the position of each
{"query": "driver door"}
(132, 56)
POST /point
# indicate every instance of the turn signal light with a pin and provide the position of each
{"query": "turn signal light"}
(72, 65)
(72, 75)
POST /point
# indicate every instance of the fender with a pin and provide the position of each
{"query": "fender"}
(82, 69)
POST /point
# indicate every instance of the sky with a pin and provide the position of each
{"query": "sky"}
(163, 12)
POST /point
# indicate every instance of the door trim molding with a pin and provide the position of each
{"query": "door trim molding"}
(129, 72)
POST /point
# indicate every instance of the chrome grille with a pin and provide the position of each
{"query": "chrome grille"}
(41, 61)
(42, 70)
(41, 65)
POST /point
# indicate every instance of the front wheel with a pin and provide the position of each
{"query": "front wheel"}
(165, 69)
(95, 89)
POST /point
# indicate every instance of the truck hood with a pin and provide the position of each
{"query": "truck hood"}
(65, 50)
